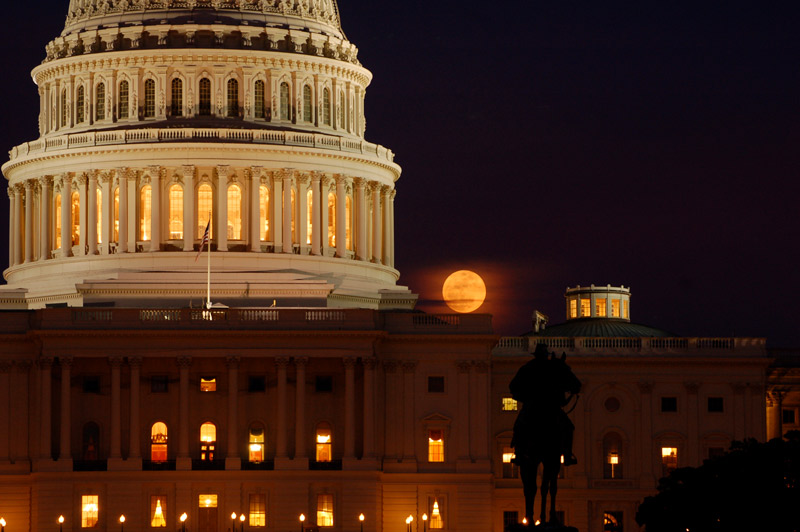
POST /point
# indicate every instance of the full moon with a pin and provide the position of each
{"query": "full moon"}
(464, 291)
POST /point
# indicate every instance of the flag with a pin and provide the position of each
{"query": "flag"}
(204, 241)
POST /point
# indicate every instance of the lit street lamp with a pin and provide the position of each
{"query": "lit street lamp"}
(361, 520)
(302, 520)
(233, 521)
(2, 525)
(60, 523)
(424, 522)
(184, 517)
(241, 518)
(409, 520)
(122, 523)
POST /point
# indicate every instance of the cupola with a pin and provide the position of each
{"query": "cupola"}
(598, 302)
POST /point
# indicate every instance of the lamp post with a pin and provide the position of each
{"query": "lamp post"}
(184, 517)
(2, 525)
(60, 523)
(121, 523)
(424, 522)
(361, 520)
(241, 519)
(302, 521)
(409, 520)
(233, 521)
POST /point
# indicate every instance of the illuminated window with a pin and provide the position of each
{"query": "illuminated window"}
(612, 522)
(259, 99)
(158, 511)
(208, 441)
(149, 98)
(208, 500)
(325, 509)
(625, 309)
(64, 108)
(258, 509)
(99, 202)
(233, 98)
(437, 514)
(669, 460)
(234, 212)
(176, 212)
(100, 102)
(324, 442)
(177, 97)
(435, 445)
(348, 222)
(123, 99)
(208, 384)
(79, 105)
(116, 215)
(615, 308)
(600, 308)
(332, 219)
(308, 108)
(57, 217)
(204, 100)
(89, 510)
(510, 404)
(256, 446)
(158, 442)
(263, 212)
(205, 205)
(510, 469)
(612, 453)
(586, 307)
(340, 125)
(326, 107)
(309, 216)
(145, 212)
(293, 211)
(284, 102)
(573, 308)
(76, 218)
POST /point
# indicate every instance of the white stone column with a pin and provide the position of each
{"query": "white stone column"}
(189, 222)
(107, 223)
(301, 222)
(83, 181)
(409, 451)
(341, 212)
(122, 185)
(232, 460)
(376, 222)
(134, 448)
(369, 408)
(222, 207)
(91, 213)
(462, 417)
(45, 370)
(18, 190)
(316, 225)
(288, 184)
(391, 228)
(46, 188)
(280, 444)
(29, 220)
(66, 216)
(361, 219)
(134, 225)
(184, 462)
(65, 448)
(349, 408)
(255, 208)
(116, 447)
(386, 191)
(300, 443)
(12, 226)
(276, 216)
(155, 208)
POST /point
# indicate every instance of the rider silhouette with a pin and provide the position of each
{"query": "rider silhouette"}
(545, 385)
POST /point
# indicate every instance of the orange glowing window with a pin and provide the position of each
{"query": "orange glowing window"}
(332, 220)
(615, 308)
(309, 216)
(437, 517)
(207, 500)
(176, 212)
(324, 440)
(205, 208)
(258, 510)
(509, 404)
(208, 384)
(263, 213)
(89, 510)
(145, 212)
(158, 442)
(99, 216)
(669, 460)
(256, 444)
(57, 216)
(573, 308)
(324, 509)
(600, 308)
(158, 511)
(436, 445)
(234, 212)
(586, 307)
(76, 218)
(208, 441)
(625, 314)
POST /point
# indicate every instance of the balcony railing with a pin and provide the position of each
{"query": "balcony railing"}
(524, 345)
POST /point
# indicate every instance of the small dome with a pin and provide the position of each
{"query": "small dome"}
(318, 16)
(602, 328)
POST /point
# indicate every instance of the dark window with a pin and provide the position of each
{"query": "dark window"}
(509, 520)
(256, 384)
(91, 384)
(669, 404)
(204, 105)
(323, 384)
(715, 404)
(91, 441)
(436, 384)
(159, 384)
(788, 416)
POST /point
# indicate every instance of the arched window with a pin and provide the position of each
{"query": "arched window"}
(157, 517)
(323, 438)
(256, 443)
(208, 441)
(435, 445)
(177, 97)
(100, 102)
(123, 99)
(612, 522)
(204, 97)
(233, 98)
(91, 441)
(150, 98)
(234, 212)
(612, 456)
(284, 101)
(64, 108)
(326, 107)
(99, 196)
(158, 442)
(116, 215)
(340, 108)
(175, 212)
(76, 218)
(57, 217)
(258, 94)
(79, 104)
(437, 514)
(293, 211)
(309, 216)
(205, 208)
(263, 212)
(145, 212)
(348, 222)
(308, 106)
(332, 220)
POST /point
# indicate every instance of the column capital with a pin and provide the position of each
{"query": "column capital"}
(482, 366)
(644, 386)
(232, 362)
(359, 182)
(83, 178)
(187, 170)
(281, 361)
(349, 362)
(256, 172)
(300, 361)
(739, 387)
(301, 177)
(390, 365)
(409, 366)
(65, 362)
(183, 361)
(92, 176)
(105, 177)
(463, 366)
(18, 189)
(115, 361)
(374, 186)
(692, 387)
(24, 365)
(44, 361)
(5, 366)
(316, 176)
(10, 192)
(135, 362)
(29, 184)
(122, 173)
(393, 194)
(370, 362)
(386, 190)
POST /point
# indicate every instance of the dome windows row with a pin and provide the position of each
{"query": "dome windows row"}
(279, 99)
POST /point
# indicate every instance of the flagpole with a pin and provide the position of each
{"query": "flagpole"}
(208, 271)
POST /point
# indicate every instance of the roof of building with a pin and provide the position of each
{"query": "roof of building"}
(601, 328)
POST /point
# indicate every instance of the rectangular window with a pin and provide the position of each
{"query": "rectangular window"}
(510, 519)
(615, 308)
(600, 308)
(669, 460)
(89, 510)
(509, 404)
(208, 384)
(436, 507)
(323, 384)
(716, 404)
(788, 416)
(258, 510)
(91, 384)
(625, 314)
(149, 98)
(256, 384)
(159, 384)
(573, 313)
(207, 500)
(436, 445)
(325, 509)
(509, 467)
(669, 404)
(436, 384)
(586, 307)
(158, 511)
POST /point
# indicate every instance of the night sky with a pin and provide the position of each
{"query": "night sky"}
(547, 144)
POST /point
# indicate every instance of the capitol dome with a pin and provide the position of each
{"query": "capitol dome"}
(157, 117)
